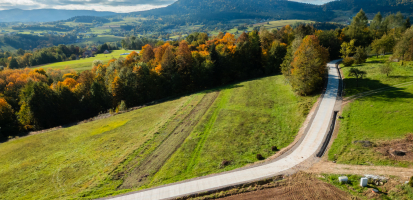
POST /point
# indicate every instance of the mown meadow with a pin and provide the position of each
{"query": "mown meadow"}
(96, 159)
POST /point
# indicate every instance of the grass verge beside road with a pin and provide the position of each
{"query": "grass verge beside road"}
(375, 126)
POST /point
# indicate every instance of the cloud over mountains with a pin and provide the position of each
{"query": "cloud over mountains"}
(120, 6)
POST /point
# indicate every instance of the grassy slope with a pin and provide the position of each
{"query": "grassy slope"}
(62, 163)
(374, 79)
(246, 119)
(85, 63)
(382, 116)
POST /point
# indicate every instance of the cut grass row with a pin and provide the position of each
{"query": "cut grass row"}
(382, 116)
(95, 159)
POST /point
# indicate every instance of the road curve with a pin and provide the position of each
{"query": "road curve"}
(307, 148)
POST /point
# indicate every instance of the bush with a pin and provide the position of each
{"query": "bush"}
(348, 62)
(411, 182)
(361, 55)
(122, 106)
(386, 69)
(260, 157)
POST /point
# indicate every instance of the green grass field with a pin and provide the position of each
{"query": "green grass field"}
(375, 79)
(85, 63)
(383, 116)
(172, 141)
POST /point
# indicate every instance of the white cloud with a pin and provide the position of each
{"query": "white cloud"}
(319, 2)
(120, 6)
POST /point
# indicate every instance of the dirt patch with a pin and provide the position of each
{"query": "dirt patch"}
(297, 186)
(327, 167)
(400, 150)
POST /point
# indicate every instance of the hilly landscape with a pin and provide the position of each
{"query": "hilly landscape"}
(46, 15)
(218, 99)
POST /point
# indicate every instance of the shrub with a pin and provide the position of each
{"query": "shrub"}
(122, 106)
(274, 148)
(361, 55)
(411, 182)
(386, 69)
(260, 157)
(348, 62)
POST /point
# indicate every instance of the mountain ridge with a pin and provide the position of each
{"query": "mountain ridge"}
(47, 15)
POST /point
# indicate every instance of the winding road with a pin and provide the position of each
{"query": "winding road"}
(306, 149)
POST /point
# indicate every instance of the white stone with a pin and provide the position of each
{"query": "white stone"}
(343, 179)
(363, 182)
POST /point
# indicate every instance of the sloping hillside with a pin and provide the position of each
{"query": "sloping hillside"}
(371, 6)
(235, 9)
(46, 15)
(155, 145)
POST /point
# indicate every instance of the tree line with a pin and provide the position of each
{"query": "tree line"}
(39, 99)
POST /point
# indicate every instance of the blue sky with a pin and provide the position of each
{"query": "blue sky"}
(121, 6)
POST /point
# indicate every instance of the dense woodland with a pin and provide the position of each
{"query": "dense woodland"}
(26, 41)
(38, 99)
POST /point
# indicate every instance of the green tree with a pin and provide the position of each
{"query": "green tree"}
(360, 56)
(39, 107)
(20, 52)
(358, 74)
(347, 48)
(13, 64)
(358, 29)
(276, 55)
(383, 45)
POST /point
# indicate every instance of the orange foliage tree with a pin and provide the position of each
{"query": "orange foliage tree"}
(309, 66)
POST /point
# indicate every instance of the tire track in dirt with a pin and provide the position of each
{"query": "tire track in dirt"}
(141, 173)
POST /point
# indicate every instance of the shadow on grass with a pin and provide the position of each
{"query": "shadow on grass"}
(365, 85)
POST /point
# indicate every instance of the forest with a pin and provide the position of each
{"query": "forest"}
(35, 99)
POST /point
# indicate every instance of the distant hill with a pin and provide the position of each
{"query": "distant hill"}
(371, 6)
(46, 15)
(236, 9)
(88, 19)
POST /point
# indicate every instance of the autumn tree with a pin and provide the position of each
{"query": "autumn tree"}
(309, 66)
(147, 53)
(184, 62)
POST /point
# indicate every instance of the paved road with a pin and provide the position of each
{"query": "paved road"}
(307, 148)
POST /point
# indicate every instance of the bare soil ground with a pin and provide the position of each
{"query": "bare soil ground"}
(400, 150)
(327, 167)
(297, 186)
